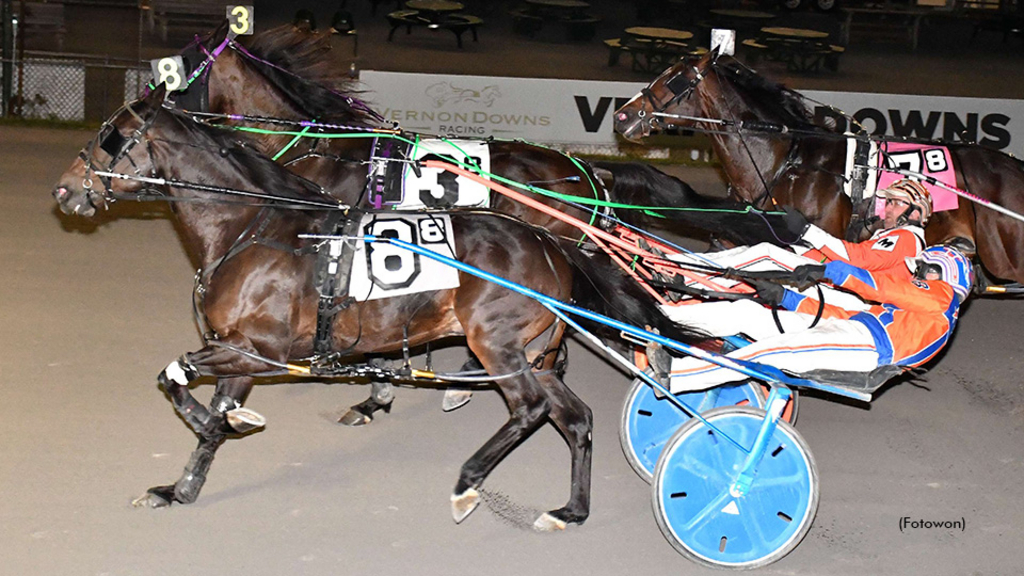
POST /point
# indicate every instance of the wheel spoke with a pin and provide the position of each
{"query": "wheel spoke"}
(709, 512)
(698, 468)
(657, 441)
(775, 481)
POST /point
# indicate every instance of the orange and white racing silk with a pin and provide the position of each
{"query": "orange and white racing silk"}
(907, 324)
(884, 250)
(912, 320)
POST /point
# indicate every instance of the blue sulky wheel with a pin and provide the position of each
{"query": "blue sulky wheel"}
(704, 521)
(648, 422)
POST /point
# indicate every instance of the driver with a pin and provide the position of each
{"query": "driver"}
(908, 206)
(907, 209)
(909, 320)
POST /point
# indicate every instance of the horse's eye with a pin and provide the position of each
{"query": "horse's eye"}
(111, 140)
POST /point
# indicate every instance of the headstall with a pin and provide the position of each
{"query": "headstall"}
(110, 140)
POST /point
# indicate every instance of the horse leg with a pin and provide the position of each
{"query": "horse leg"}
(575, 421)
(528, 408)
(224, 416)
(382, 395)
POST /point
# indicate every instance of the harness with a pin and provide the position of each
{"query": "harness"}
(384, 181)
(331, 278)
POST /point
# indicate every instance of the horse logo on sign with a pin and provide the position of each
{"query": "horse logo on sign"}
(445, 92)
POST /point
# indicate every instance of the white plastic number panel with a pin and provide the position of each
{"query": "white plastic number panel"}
(436, 188)
(383, 270)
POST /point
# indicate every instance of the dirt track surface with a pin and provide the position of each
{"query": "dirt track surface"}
(90, 314)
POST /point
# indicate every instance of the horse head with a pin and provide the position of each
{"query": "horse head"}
(284, 72)
(671, 93)
(115, 150)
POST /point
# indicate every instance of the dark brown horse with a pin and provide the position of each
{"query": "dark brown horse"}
(261, 304)
(289, 73)
(804, 167)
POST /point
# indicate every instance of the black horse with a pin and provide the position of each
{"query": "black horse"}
(261, 304)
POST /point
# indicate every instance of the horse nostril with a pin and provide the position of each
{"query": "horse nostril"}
(622, 116)
(60, 193)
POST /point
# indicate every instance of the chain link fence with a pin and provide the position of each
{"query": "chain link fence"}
(74, 88)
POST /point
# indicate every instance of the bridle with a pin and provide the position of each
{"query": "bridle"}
(110, 140)
(679, 85)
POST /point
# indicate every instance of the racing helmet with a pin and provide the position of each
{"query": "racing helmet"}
(912, 192)
(953, 266)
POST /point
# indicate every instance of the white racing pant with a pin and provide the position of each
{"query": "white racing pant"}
(744, 316)
(721, 319)
(833, 344)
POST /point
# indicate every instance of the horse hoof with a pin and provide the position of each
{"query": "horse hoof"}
(455, 398)
(464, 504)
(548, 523)
(244, 420)
(156, 497)
(354, 418)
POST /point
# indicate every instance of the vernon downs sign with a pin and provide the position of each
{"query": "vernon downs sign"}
(579, 112)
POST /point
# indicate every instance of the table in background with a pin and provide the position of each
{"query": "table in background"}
(890, 22)
(742, 21)
(574, 15)
(434, 15)
(802, 50)
(653, 49)
(434, 10)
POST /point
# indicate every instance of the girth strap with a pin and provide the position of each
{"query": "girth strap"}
(333, 270)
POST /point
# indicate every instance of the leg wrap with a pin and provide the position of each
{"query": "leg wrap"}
(175, 379)
(186, 490)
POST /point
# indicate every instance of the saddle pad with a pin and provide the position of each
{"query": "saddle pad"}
(440, 189)
(381, 270)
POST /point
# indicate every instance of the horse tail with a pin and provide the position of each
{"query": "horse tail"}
(738, 222)
(600, 286)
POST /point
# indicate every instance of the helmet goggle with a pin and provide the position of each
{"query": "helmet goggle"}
(947, 264)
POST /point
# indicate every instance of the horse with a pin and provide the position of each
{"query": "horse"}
(803, 165)
(286, 73)
(260, 303)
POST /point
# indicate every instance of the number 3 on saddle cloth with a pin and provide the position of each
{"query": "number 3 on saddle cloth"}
(863, 182)
(395, 183)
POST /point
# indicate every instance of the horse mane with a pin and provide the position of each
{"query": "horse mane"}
(317, 84)
(781, 103)
(242, 152)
